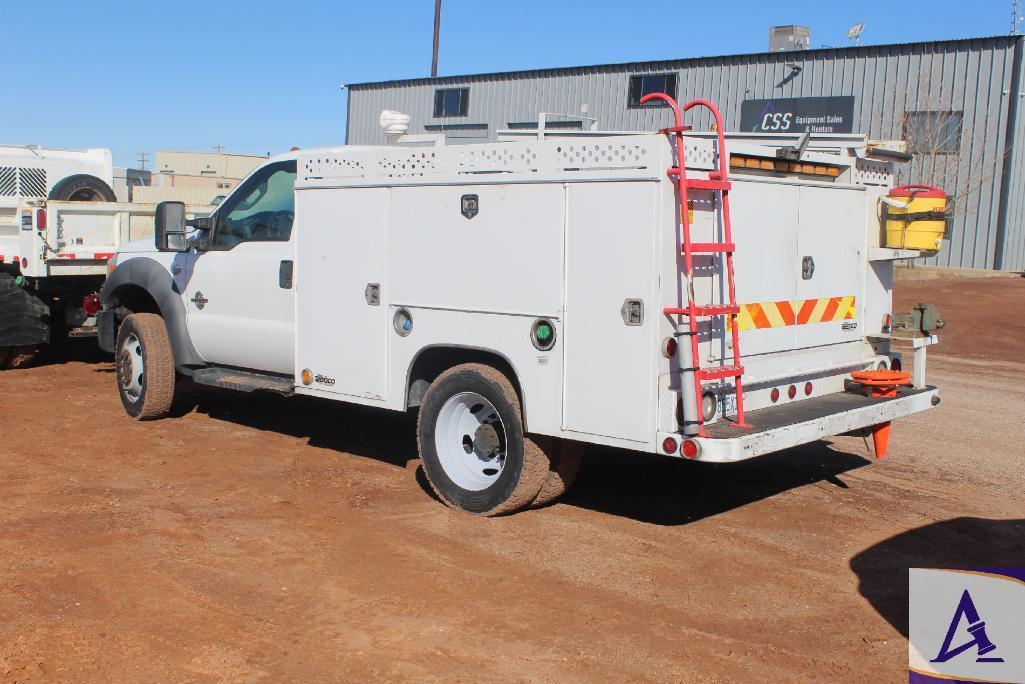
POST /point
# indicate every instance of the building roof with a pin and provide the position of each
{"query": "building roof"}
(790, 56)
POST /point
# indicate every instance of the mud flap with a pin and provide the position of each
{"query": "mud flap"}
(24, 317)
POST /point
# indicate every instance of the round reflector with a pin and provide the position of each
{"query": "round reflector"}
(669, 445)
(669, 347)
(792, 391)
(807, 389)
(774, 395)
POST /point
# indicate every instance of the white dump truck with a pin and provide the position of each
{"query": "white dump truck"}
(668, 293)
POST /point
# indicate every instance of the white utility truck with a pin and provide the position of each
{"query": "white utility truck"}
(53, 260)
(531, 296)
(37, 292)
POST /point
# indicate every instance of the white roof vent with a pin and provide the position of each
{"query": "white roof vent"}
(394, 123)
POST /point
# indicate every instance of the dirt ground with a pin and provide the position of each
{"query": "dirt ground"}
(265, 539)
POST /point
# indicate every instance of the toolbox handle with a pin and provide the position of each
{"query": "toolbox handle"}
(915, 186)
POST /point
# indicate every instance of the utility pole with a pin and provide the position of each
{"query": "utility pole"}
(218, 148)
(1016, 17)
(142, 160)
(437, 33)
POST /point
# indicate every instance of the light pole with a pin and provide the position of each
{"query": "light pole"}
(437, 32)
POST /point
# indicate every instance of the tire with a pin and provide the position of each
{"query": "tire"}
(145, 367)
(566, 458)
(16, 358)
(82, 188)
(493, 471)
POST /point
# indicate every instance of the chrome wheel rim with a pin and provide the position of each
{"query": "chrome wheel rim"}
(130, 367)
(470, 440)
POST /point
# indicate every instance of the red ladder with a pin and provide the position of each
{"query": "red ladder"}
(717, 182)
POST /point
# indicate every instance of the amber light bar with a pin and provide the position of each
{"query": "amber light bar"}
(744, 161)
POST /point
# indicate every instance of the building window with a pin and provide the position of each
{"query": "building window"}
(559, 124)
(646, 84)
(451, 102)
(933, 132)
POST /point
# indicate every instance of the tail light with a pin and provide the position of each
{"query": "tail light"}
(669, 445)
(91, 304)
(690, 449)
(40, 219)
(774, 395)
(808, 389)
(792, 391)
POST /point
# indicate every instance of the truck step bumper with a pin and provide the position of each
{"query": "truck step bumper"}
(789, 425)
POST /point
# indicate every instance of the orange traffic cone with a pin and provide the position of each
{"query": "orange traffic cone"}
(881, 439)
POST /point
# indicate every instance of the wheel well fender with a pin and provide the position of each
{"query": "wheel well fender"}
(143, 282)
(431, 361)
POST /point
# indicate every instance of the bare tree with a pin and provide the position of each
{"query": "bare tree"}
(943, 157)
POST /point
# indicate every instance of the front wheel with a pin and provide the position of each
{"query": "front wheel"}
(145, 367)
(474, 452)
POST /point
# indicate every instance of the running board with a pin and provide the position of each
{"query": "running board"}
(243, 381)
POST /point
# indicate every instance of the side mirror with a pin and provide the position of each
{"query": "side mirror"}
(169, 227)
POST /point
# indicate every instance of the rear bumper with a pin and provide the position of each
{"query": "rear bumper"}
(782, 427)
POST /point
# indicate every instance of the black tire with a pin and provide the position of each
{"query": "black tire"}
(526, 462)
(146, 395)
(16, 358)
(82, 188)
(566, 457)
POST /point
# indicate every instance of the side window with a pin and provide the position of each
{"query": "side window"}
(261, 209)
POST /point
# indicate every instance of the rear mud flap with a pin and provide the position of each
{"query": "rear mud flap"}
(24, 317)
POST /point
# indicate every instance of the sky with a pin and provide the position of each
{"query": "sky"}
(259, 77)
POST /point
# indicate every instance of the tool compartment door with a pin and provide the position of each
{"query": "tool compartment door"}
(832, 236)
(609, 377)
(765, 225)
(341, 243)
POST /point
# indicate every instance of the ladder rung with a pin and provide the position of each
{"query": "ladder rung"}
(696, 184)
(704, 310)
(711, 247)
(720, 372)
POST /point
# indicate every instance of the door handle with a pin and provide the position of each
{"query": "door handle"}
(285, 275)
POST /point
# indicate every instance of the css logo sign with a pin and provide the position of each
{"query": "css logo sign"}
(966, 624)
(777, 121)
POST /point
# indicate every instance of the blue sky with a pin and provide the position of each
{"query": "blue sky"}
(261, 76)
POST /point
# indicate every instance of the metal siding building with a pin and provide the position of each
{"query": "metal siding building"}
(980, 78)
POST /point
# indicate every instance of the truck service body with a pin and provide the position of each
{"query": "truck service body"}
(515, 292)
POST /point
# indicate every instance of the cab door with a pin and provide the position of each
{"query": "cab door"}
(239, 297)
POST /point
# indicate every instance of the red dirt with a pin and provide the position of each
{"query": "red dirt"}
(265, 539)
(983, 315)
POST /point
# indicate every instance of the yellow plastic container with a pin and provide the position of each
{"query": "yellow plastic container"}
(921, 222)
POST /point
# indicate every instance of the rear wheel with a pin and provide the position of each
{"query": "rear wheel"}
(566, 457)
(145, 367)
(472, 445)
